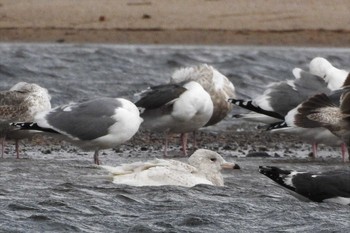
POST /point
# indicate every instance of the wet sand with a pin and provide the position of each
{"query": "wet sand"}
(271, 22)
(246, 143)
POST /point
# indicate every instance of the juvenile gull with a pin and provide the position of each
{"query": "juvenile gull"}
(20, 103)
(330, 186)
(315, 136)
(203, 167)
(175, 108)
(92, 125)
(278, 102)
(328, 111)
(335, 79)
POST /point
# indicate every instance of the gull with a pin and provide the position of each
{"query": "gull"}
(330, 186)
(175, 108)
(203, 167)
(20, 103)
(92, 125)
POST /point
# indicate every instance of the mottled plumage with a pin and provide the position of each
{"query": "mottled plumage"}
(21, 103)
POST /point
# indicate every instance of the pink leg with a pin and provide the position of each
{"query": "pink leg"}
(165, 145)
(314, 150)
(344, 151)
(3, 146)
(184, 143)
(96, 159)
(195, 146)
(17, 148)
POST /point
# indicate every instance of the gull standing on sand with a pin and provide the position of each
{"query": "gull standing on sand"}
(330, 186)
(219, 87)
(203, 167)
(20, 103)
(329, 111)
(175, 108)
(335, 79)
(92, 125)
(278, 102)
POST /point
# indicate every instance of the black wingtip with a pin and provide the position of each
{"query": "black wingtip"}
(276, 174)
(31, 126)
(277, 125)
(249, 105)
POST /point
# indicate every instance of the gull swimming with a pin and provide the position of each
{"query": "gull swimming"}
(203, 167)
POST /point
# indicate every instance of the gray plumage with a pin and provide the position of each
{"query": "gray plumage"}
(92, 125)
(85, 121)
(333, 186)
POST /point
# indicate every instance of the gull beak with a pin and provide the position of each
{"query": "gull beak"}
(228, 165)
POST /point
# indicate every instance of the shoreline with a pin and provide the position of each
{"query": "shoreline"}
(314, 38)
(186, 22)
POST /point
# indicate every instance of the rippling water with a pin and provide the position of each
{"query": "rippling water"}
(63, 192)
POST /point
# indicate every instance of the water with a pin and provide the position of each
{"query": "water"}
(61, 191)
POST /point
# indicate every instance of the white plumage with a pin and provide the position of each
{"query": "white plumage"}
(175, 108)
(203, 168)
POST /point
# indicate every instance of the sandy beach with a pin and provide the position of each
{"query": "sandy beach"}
(222, 22)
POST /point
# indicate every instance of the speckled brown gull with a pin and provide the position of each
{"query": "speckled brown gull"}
(203, 167)
(21, 103)
(329, 111)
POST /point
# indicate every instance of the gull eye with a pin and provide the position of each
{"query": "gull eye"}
(213, 159)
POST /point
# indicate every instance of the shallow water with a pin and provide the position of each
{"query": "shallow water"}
(61, 191)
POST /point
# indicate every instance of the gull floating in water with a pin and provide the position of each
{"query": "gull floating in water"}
(92, 125)
(203, 167)
(20, 103)
(330, 186)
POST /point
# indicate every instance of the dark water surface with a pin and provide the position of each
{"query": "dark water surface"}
(62, 191)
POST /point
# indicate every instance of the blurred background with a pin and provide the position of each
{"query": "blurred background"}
(221, 22)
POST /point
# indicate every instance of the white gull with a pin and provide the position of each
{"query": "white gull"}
(203, 167)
